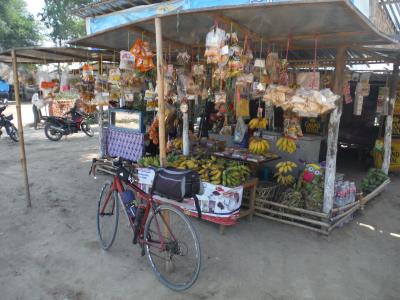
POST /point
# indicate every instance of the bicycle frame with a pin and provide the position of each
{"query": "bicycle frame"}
(117, 185)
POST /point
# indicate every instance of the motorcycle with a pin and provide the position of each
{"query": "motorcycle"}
(5, 121)
(56, 127)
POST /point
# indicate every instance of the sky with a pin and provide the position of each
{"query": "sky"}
(35, 7)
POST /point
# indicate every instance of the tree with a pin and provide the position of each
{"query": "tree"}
(18, 28)
(63, 26)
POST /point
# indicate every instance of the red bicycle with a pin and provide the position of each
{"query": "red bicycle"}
(165, 234)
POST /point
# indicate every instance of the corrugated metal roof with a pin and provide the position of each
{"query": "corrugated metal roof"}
(45, 55)
(108, 6)
(332, 23)
(392, 9)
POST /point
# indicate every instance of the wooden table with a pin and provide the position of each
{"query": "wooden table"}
(246, 212)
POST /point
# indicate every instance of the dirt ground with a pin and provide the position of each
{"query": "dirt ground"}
(51, 251)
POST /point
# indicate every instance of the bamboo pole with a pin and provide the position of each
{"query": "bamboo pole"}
(333, 133)
(291, 216)
(160, 92)
(376, 192)
(304, 211)
(389, 120)
(20, 129)
(292, 223)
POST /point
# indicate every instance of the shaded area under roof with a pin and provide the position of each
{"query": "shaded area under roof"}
(45, 55)
(333, 22)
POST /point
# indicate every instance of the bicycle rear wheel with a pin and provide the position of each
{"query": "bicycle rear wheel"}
(178, 265)
(107, 216)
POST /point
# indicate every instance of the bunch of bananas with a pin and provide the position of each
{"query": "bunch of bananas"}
(286, 144)
(178, 143)
(258, 123)
(212, 170)
(211, 173)
(148, 161)
(235, 175)
(186, 163)
(258, 146)
(285, 166)
(284, 179)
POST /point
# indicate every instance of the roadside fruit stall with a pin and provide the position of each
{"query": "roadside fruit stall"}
(231, 94)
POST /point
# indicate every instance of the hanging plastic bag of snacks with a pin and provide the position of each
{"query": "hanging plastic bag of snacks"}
(101, 84)
(272, 66)
(183, 58)
(87, 73)
(292, 126)
(143, 56)
(243, 108)
(308, 80)
(127, 60)
(215, 40)
(198, 70)
(220, 97)
(114, 76)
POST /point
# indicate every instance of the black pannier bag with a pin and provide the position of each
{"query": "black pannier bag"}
(177, 184)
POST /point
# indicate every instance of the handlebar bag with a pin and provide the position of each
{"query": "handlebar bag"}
(176, 184)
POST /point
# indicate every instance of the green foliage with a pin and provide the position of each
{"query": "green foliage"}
(63, 26)
(17, 27)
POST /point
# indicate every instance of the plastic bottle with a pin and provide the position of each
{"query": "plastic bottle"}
(128, 198)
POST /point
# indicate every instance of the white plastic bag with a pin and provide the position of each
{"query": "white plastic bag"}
(127, 60)
(240, 130)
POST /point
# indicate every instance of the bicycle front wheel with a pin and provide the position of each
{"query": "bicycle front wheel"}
(107, 216)
(172, 248)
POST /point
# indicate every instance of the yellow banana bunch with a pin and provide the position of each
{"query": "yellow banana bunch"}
(258, 123)
(285, 167)
(235, 175)
(286, 144)
(258, 146)
(285, 180)
(178, 143)
(188, 164)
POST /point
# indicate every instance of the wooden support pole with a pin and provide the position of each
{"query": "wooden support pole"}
(20, 129)
(333, 133)
(389, 120)
(160, 92)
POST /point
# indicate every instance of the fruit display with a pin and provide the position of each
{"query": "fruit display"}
(374, 178)
(235, 175)
(286, 144)
(258, 123)
(285, 166)
(285, 179)
(178, 143)
(282, 176)
(148, 161)
(258, 146)
(213, 170)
